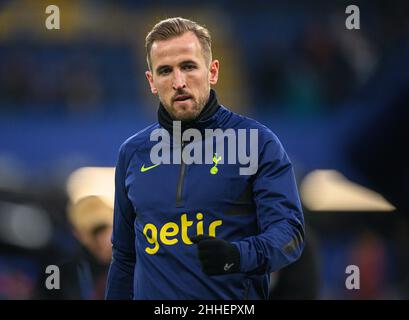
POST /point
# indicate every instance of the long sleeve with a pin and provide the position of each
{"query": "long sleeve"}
(121, 272)
(280, 219)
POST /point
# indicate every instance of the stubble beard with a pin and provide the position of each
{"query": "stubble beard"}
(196, 109)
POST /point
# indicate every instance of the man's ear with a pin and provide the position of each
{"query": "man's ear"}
(149, 76)
(214, 72)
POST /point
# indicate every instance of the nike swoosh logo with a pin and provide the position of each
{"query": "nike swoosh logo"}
(143, 168)
(228, 266)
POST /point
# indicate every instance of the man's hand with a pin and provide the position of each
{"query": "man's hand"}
(217, 256)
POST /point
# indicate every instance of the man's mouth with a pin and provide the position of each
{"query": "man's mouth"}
(182, 97)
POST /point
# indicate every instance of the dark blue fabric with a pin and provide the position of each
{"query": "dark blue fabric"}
(261, 214)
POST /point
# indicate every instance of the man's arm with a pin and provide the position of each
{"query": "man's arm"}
(280, 218)
(121, 272)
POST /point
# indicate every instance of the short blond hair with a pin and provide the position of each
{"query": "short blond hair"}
(175, 27)
(89, 213)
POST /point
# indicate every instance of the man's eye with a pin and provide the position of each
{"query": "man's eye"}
(164, 71)
(188, 67)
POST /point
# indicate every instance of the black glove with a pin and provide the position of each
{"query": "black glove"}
(217, 256)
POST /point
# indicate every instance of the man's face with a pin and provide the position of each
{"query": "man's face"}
(181, 76)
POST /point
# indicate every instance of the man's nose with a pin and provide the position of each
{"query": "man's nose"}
(178, 80)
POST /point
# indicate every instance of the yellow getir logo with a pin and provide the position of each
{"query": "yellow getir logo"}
(170, 231)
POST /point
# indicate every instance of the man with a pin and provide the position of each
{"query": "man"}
(83, 273)
(199, 231)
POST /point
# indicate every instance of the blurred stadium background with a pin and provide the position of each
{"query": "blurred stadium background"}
(337, 99)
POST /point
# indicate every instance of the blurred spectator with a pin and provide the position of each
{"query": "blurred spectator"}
(91, 219)
(83, 276)
(369, 254)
